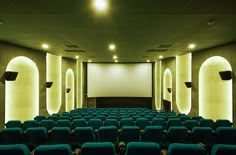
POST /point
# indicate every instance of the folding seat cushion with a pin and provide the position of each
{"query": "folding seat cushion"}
(99, 148)
(60, 135)
(108, 134)
(223, 123)
(142, 123)
(130, 134)
(153, 134)
(186, 149)
(29, 123)
(12, 136)
(226, 135)
(57, 149)
(13, 124)
(14, 149)
(37, 136)
(223, 149)
(48, 124)
(142, 148)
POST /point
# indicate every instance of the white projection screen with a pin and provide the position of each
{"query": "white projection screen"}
(119, 80)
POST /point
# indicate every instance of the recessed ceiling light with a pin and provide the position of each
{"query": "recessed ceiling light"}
(115, 56)
(148, 60)
(112, 47)
(100, 5)
(160, 57)
(45, 46)
(89, 60)
(191, 46)
(116, 61)
(77, 57)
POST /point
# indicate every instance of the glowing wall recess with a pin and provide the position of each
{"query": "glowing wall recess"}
(215, 94)
(183, 74)
(22, 95)
(53, 75)
(157, 84)
(70, 91)
(79, 85)
(167, 86)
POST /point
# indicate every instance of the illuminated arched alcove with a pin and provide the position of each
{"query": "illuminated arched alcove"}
(22, 94)
(157, 85)
(167, 86)
(69, 90)
(53, 98)
(183, 74)
(215, 94)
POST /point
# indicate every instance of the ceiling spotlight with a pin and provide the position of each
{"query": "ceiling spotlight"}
(148, 60)
(112, 47)
(211, 22)
(100, 5)
(160, 57)
(191, 46)
(77, 57)
(89, 60)
(116, 61)
(45, 46)
(115, 56)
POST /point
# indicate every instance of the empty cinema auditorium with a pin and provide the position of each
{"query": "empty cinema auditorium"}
(117, 77)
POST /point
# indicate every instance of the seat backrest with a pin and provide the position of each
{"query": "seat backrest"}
(177, 134)
(189, 124)
(223, 123)
(108, 134)
(197, 118)
(206, 123)
(223, 149)
(63, 123)
(158, 122)
(142, 123)
(13, 124)
(184, 118)
(153, 134)
(143, 148)
(173, 122)
(202, 135)
(37, 136)
(226, 135)
(83, 135)
(100, 148)
(57, 149)
(29, 123)
(39, 118)
(78, 123)
(14, 149)
(60, 135)
(186, 149)
(111, 122)
(12, 136)
(48, 124)
(130, 134)
(127, 122)
(95, 123)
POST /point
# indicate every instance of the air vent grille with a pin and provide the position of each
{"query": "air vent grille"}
(78, 51)
(157, 50)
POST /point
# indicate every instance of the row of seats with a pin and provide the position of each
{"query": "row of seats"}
(140, 122)
(60, 135)
(106, 148)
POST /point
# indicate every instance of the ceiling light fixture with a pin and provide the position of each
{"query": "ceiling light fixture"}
(45, 46)
(115, 56)
(191, 46)
(89, 61)
(148, 60)
(100, 5)
(116, 61)
(160, 57)
(112, 47)
(77, 57)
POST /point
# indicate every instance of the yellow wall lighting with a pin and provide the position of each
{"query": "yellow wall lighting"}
(100, 6)
(183, 74)
(69, 90)
(215, 94)
(22, 95)
(53, 75)
(167, 83)
(157, 83)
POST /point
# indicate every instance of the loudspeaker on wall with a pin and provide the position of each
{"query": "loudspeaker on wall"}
(226, 75)
(10, 75)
